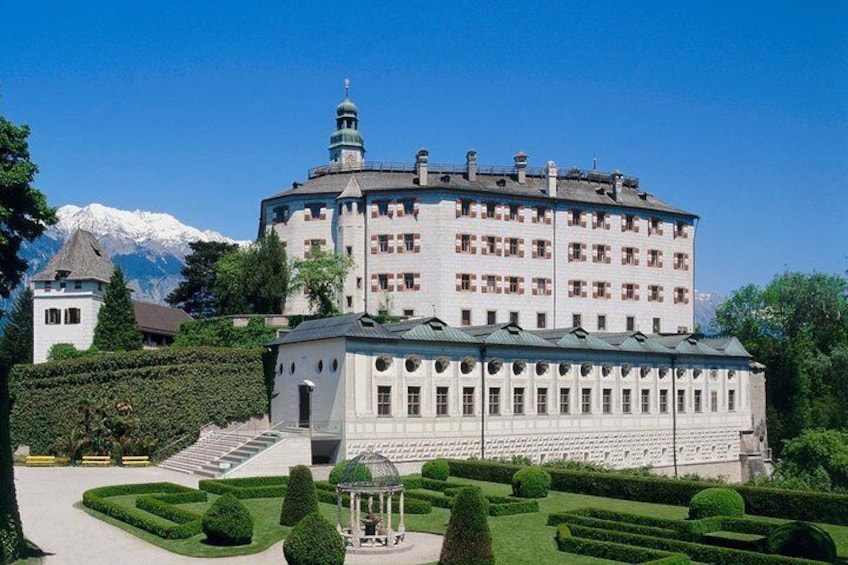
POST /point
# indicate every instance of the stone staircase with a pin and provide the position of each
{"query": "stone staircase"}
(220, 451)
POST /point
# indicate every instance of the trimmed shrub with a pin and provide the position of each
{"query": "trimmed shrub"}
(300, 499)
(800, 539)
(531, 482)
(468, 540)
(360, 472)
(246, 488)
(716, 502)
(227, 522)
(314, 541)
(437, 469)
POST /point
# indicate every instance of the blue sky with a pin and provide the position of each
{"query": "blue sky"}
(736, 111)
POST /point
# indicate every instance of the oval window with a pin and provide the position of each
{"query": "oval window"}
(442, 365)
(495, 366)
(467, 365)
(586, 369)
(412, 364)
(320, 365)
(518, 367)
(292, 368)
(564, 368)
(383, 363)
(335, 365)
(541, 368)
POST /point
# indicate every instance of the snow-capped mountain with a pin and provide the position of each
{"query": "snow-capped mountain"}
(150, 247)
(706, 304)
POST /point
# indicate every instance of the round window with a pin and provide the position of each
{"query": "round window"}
(564, 368)
(412, 364)
(586, 369)
(518, 367)
(383, 363)
(467, 365)
(542, 368)
(442, 365)
(495, 366)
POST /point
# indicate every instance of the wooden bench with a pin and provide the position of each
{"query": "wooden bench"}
(40, 460)
(102, 460)
(135, 461)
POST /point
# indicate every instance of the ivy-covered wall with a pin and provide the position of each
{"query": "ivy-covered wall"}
(172, 392)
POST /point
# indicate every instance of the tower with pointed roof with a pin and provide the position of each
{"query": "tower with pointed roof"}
(346, 146)
(68, 294)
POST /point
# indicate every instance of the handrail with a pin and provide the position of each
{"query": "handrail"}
(176, 441)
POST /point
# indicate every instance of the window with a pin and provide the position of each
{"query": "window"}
(731, 400)
(628, 291)
(631, 323)
(441, 401)
(383, 243)
(465, 243)
(602, 322)
(490, 244)
(607, 400)
(513, 212)
(575, 217)
(628, 256)
(314, 245)
(464, 207)
(316, 210)
(664, 401)
(77, 285)
(280, 215)
(465, 317)
(409, 281)
(576, 289)
(413, 401)
(541, 248)
(576, 320)
(491, 317)
(358, 282)
(601, 289)
(384, 401)
(681, 261)
(655, 326)
(541, 400)
(681, 295)
(52, 316)
(541, 213)
(63, 285)
(72, 315)
(655, 293)
(409, 242)
(681, 401)
(626, 401)
(565, 401)
(491, 286)
(382, 207)
(680, 229)
(713, 401)
(645, 400)
(512, 246)
(542, 286)
(697, 400)
(383, 281)
(601, 220)
(494, 400)
(541, 320)
(468, 401)
(575, 251)
(629, 222)
(465, 281)
(99, 286)
(518, 400)
(513, 285)
(408, 206)
(408, 312)
(513, 318)
(491, 208)
(586, 401)
(654, 258)
(601, 253)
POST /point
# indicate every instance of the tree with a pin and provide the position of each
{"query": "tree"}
(16, 342)
(816, 458)
(798, 327)
(195, 294)
(300, 499)
(322, 275)
(117, 329)
(24, 215)
(253, 280)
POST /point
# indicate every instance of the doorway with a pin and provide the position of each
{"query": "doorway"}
(304, 408)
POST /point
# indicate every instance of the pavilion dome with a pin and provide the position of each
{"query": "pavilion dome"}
(383, 472)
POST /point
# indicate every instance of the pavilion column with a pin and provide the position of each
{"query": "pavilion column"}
(389, 526)
(339, 512)
(401, 527)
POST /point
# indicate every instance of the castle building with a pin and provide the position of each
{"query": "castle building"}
(541, 247)
(68, 294)
(422, 388)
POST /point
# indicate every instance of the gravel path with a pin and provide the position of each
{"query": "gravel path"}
(46, 497)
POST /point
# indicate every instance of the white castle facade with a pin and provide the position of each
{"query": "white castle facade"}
(548, 314)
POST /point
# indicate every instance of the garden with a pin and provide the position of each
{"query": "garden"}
(530, 515)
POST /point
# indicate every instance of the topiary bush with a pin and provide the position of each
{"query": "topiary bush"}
(468, 540)
(314, 541)
(531, 482)
(300, 499)
(716, 502)
(437, 469)
(228, 522)
(802, 539)
(360, 472)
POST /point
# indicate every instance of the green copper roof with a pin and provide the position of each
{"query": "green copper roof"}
(346, 107)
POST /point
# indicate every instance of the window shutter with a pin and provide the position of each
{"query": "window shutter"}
(473, 244)
(535, 287)
(636, 222)
(307, 214)
(459, 243)
(498, 284)
(458, 208)
(399, 206)
(636, 256)
(582, 251)
(458, 282)
(535, 250)
(390, 243)
(624, 292)
(498, 212)
(548, 247)
(374, 210)
(416, 207)
(660, 297)
(374, 284)
(660, 259)
(594, 290)
(571, 289)
(521, 214)
(499, 246)
(416, 278)
(391, 281)
(373, 244)
(549, 287)
(473, 286)
(570, 218)
(521, 247)
(417, 240)
(549, 216)
(582, 219)
(520, 285)
(401, 286)
(636, 292)
(608, 290)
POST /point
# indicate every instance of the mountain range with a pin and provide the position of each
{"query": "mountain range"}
(151, 248)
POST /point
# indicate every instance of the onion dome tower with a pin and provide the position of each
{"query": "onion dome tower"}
(346, 145)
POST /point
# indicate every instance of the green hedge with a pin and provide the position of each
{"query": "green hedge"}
(251, 487)
(696, 551)
(155, 505)
(716, 501)
(617, 551)
(98, 499)
(778, 503)
(198, 385)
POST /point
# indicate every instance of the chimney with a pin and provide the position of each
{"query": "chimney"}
(617, 184)
(520, 166)
(471, 165)
(551, 176)
(421, 166)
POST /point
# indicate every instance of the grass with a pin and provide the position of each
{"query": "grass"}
(517, 540)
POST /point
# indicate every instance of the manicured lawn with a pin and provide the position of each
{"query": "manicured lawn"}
(520, 539)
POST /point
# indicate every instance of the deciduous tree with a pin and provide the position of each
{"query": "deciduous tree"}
(322, 275)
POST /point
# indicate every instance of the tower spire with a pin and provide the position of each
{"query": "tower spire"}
(347, 87)
(346, 145)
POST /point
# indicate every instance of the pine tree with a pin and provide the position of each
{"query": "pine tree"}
(117, 329)
(16, 342)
